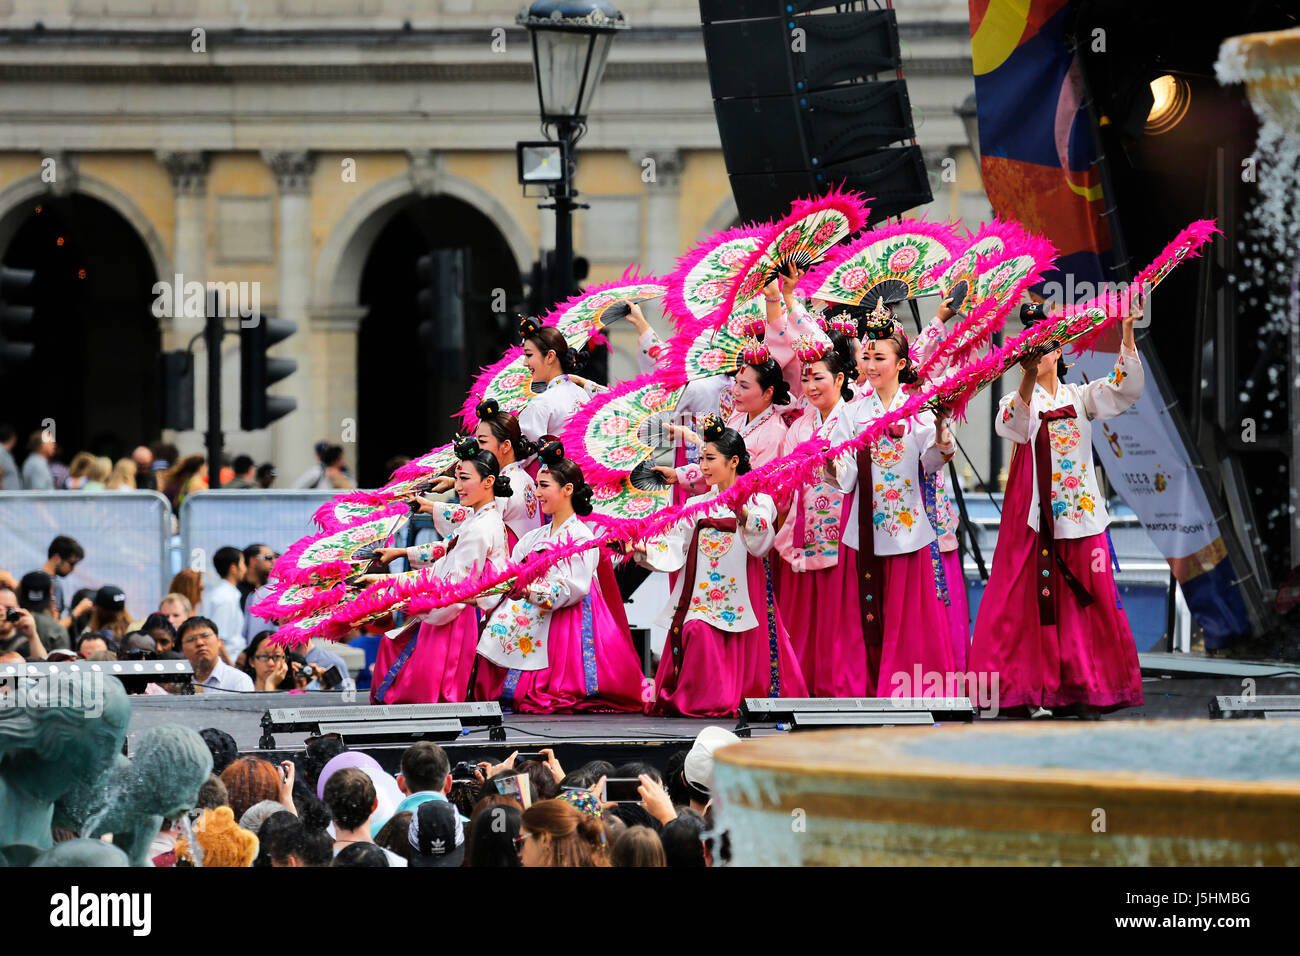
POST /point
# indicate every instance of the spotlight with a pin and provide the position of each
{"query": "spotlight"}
(1171, 97)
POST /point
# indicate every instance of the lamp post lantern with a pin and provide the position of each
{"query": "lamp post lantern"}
(571, 41)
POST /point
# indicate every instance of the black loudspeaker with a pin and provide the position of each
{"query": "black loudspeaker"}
(801, 108)
(893, 179)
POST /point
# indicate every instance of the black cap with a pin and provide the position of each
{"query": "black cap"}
(436, 830)
(110, 598)
(34, 591)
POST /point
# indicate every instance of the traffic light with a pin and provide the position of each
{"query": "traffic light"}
(258, 372)
(15, 319)
(440, 304)
(176, 381)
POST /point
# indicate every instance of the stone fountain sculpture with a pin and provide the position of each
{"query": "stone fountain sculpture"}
(57, 734)
(61, 766)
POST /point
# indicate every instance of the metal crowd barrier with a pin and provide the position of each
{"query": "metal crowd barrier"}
(124, 533)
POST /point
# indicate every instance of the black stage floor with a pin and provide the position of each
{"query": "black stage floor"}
(578, 738)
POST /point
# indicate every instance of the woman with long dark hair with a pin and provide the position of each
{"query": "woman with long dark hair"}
(434, 665)
(551, 360)
(562, 643)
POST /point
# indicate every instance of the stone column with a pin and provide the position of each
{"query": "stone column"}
(294, 435)
(660, 245)
(189, 172)
(663, 199)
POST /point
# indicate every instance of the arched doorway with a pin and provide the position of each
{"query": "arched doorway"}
(404, 405)
(94, 368)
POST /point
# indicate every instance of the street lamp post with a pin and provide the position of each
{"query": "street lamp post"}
(571, 41)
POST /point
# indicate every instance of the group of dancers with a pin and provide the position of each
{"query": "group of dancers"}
(848, 586)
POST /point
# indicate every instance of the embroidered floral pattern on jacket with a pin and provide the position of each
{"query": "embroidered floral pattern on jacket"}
(1063, 434)
(889, 509)
(1070, 496)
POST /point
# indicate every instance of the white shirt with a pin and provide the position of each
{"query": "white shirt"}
(480, 543)
(720, 591)
(519, 510)
(225, 677)
(222, 604)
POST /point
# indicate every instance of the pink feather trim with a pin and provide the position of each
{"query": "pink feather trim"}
(286, 567)
(941, 232)
(573, 435)
(324, 517)
(674, 302)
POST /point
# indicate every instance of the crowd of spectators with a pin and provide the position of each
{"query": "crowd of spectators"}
(159, 466)
(216, 630)
(330, 806)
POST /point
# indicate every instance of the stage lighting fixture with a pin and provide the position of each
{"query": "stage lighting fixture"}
(540, 162)
(1171, 98)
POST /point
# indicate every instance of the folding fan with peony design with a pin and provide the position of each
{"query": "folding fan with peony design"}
(623, 500)
(956, 279)
(713, 350)
(317, 559)
(705, 275)
(293, 601)
(803, 238)
(1001, 280)
(578, 319)
(432, 463)
(620, 430)
(588, 314)
(894, 262)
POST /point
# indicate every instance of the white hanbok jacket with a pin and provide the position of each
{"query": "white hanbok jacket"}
(1077, 504)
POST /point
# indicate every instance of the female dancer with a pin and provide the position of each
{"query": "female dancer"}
(725, 638)
(903, 620)
(433, 666)
(548, 356)
(563, 644)
(817, 583)
(498, 433)
(1050, 627)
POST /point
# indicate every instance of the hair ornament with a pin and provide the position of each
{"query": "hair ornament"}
(809, 350)
(754, 352)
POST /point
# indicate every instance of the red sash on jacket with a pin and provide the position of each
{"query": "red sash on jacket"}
(869, 563)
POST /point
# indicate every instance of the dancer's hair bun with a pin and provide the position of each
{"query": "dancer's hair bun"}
(551, 453)
(466, 447)
(488, 408)
(713, 428)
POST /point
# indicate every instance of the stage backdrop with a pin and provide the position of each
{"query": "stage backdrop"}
(1036, 156)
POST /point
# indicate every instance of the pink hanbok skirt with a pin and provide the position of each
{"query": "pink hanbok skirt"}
(720, 668)
(820, 612)
(593, 662)
(958, 609)
(430, 668)
(1089, 656)
(916, 650)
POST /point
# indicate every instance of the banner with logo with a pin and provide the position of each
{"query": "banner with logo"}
(1037, 158)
